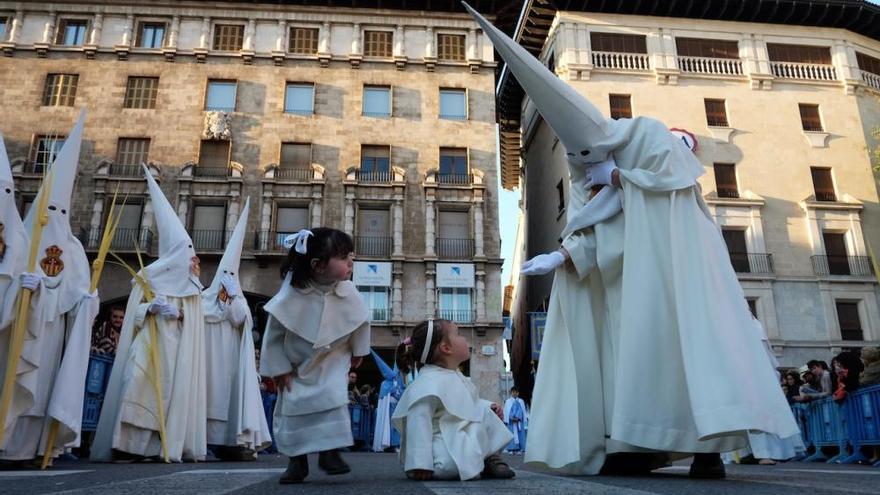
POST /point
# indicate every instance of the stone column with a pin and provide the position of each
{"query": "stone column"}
(430, 294)
(479, 249)
(127, 38)
(430, 225)
(15, 28)
(399, 42)
(282, 35)
(49, 29)
(349, 213)
(324, 38)
(206, 32)
(175, 32)
(95, 223)
(147, 219)
(183, 206)
(249, 32)
(481, 295)
(266, 221)
(356, 47)
(232, 213)
(430, 48)
(317, 206)
(472, 44)
(97, 28)
(398, 227)
(397, 297)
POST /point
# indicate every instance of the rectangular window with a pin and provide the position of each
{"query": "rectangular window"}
(621, 43)
(132, 151)
(453, 104)
(716, 112)
(303, 41)
(800, 54)
(868, 63)
(214, 155)
(375, 163)
(377, 101)
(71, 32)
(753, 306)
(373, 232)
(26, 203)
(46, 148)
(699, 47)
(221, 96)
(735, 240)
(290, 220)
(296, 156)
(823, 184)
(228, 37)
(3, 21)
(151, 35)
(455, 305)
(208, 229)
(849, 321)
(378, 43)
(621, 106)
(810, 119)
(454, 239)
(60, 90)
(376, 298)
(299, 98)
(450, 47)
(141, 92)
(127, 234)
(454, 165)
(836, 253)
(725, 180)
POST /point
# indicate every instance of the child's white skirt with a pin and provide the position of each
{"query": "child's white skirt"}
(309, 433)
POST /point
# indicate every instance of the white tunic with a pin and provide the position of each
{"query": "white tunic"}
(445, 427)
(235, 409)
(313, 333)
(129, 419)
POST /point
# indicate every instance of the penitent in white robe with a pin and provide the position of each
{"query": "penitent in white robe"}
(643, 337)
(314, 332)
(50, 380)
(129, 419)
(445, 427)
(235, 408)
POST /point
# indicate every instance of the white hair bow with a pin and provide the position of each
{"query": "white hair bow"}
(298, 240)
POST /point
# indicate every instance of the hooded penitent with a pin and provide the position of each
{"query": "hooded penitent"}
(229, 265)
(13, 237)
(170, 275)
(60, 255)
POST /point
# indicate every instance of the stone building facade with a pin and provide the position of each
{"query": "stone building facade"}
(783, 114)
(378, 122)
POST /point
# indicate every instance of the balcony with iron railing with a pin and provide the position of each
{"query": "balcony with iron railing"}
(752, 263)
(380, 314)
(130, 239)
(373, 246)
(294, 174)
(271, 241)
(621, 61)
(710, 66)
(211, 172)
(728, 192)
(455, 179)
(117, 170)
(457, 315)
(369, 176)
(209, 240)
(31, 167)
(802, 71)
(847, 266)
(455, 249)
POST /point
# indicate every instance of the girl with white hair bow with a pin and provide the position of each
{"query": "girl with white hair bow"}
(318, 329)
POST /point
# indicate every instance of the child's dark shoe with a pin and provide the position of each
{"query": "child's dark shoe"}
(496, 468)
(707, 466)
(330, 461)
(297, 470)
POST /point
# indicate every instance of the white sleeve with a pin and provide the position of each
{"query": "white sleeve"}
(273, 359)
(420, 435)
(360, 341)
(140, 315)
(581, 247)
(236, 311)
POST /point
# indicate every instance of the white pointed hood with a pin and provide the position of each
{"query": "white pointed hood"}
(170, 275)
(229, 263)
(586, 134)
(14, 252)
(61, 255)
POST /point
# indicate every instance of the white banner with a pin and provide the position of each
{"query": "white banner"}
(455, 275)
(372, 274)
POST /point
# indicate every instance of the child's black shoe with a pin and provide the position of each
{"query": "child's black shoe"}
(330, 461)
(496, 468)
(297, 470)
(707, 466)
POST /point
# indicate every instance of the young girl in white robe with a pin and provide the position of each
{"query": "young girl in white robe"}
(447, 431)
(318, 329)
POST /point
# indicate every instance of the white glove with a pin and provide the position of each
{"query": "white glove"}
(30, 281)
(156, 305)
(170, 312)
(229, 283)
(543, 263)
(599, 174)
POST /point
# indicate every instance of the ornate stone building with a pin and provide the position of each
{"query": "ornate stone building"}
(375, 120)
(783, 100)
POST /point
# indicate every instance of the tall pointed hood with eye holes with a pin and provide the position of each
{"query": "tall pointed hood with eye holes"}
(229, 264)
(60, 254)
(14, 239)
(171, 274)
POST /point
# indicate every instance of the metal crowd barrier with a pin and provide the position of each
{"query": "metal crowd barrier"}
(847, 425)
(97, 377)
(362, 423)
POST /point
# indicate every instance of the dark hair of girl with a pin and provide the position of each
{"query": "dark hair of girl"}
(409, 354)
(325, 244)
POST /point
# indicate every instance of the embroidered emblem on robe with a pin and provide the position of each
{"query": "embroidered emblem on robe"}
(52, 264)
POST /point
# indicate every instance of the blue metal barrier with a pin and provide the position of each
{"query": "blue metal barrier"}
(863, 422)
(362, 423)
(97, 376)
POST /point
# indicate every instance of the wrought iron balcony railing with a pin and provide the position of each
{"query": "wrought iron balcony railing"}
(209, 240)
(373, 246)
(754, 263)
(457, 315)
(217, 172)
(856, 266)
(455, 249)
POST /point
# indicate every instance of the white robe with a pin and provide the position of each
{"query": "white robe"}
(50, 381)
(627, 361)
(129, 419)
(445, 427)
(314, 333)
(235, 408)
